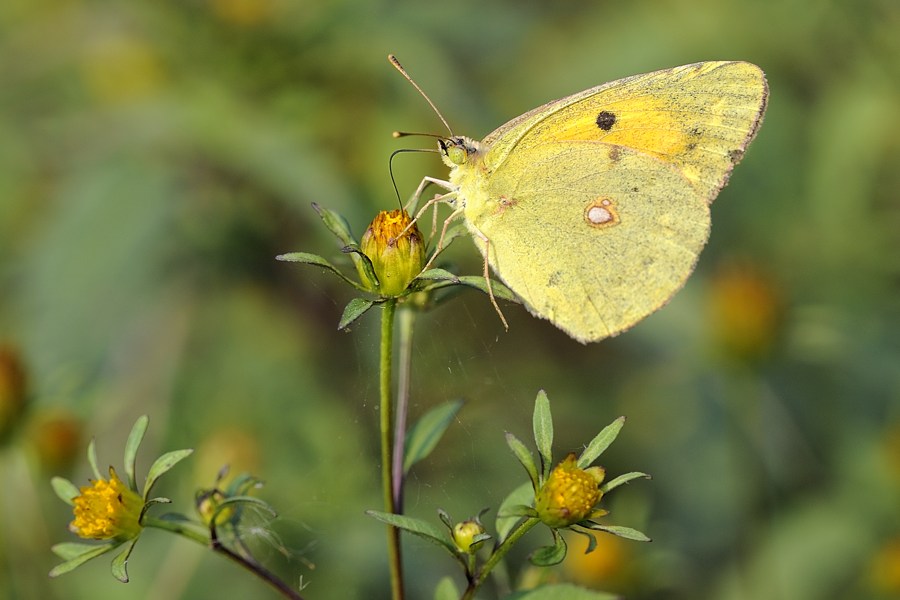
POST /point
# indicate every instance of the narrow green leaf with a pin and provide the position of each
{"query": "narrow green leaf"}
(480, 283)
(548, 556)
(446, 590)
(353, 311)
(622, 479)
(77, 561)
(131, 448)
(543, 431)
(70, 550)
(163, 464)
(120, 563)
(65, 489)
(92, 459)
(418, 527)
(524, 456)
(623, 532)
(560, 591)
(335, 223)
(316, 260)
(427, 432)
(438, 275)
(600, 443)
(591, 538)
(506, 517)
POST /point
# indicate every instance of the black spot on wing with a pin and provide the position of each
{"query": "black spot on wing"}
(606, 120)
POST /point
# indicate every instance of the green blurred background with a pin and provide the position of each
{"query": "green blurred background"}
(156, 156)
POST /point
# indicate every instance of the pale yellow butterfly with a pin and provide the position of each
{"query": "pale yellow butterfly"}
(593, 208)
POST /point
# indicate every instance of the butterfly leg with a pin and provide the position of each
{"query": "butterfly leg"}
(487, 275)
(447, 221)
(426, 181)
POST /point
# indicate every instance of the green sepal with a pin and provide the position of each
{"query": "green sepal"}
(524, 456)
(316, 260)
(119, 564)
(591, 538)
(542, 423)
(336, 224)
(446, 590)
(363, 261)
(623, 532)
(418, 527)
(444, 516)
(547, 556)
(149, 503)
(424, 435)
(353, 311)
(161, 465)
(131, 448)
(622, 479)
(600, 443)
(65, 489)
(509, 514)
(92, 459)
(560, 591)
(76, 555)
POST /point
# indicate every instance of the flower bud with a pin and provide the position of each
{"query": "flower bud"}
(13, 389)
(464, 534)
(569, 494)
(397, 256)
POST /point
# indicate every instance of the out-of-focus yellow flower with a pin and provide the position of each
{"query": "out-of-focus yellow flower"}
(243, 13)
(13, 389)
(107, 509)
(120, 69)
(397, 253)
(746, 311)
(884, 570)
(604, 568)
(569, 494)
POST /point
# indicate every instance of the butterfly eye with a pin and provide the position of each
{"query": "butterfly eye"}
(457, 154)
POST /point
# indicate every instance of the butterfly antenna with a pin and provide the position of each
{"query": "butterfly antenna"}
(403, 72)
(391, 163)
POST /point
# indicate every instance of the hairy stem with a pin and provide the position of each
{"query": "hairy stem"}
(498, 554)
(406, 319)
(387, 444)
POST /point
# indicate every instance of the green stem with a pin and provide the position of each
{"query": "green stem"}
(498, 554)
(194, 534)
(407, 320)
(387, 438)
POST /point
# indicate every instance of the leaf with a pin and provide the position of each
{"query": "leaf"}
(120, 563)
(446, 590)
(548, 556)
(65, 489)
(622, 479)
(131, 448)
(353, 311)
(506, 522)
(316, 260)
(480, 283)
(92, 459)
(247, 500)
(161, 465)
(560, 591)
(77, 561)
(623, 532)
(600, 443)
(70, 550)
(336, 223)
(427, 432)
(418, 527)
(543, 431)
(524, 456)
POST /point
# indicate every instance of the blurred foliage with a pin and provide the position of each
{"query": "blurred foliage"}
(155, 158)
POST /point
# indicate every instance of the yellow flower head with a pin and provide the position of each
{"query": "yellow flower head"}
(396, 258)
(569, 494)
(107, 509)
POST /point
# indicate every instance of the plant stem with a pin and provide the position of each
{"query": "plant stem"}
(498, 554)
(407, 320)
(387, 430)
(195, 535)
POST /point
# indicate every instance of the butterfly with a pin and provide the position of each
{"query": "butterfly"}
(594, 208)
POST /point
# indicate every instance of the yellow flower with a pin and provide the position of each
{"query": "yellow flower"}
(396, 258)
(107, 509)
(569, 494)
